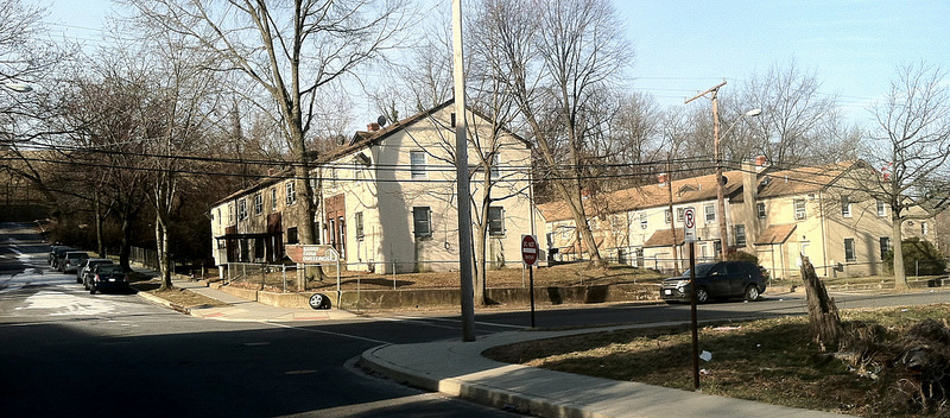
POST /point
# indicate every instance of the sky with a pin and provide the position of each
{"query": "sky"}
(682, 48)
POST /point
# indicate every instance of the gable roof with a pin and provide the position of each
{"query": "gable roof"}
(693, 189)
(803, 179)
(776, 234)
(665, 238)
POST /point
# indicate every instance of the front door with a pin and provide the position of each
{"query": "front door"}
(336, 222)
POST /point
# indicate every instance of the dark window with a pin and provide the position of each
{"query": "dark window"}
(421, 222)
(496, 221)
(292, 235)
(242, 209)
(885, 245)
(740, 236)
(273, 198)
(417, 160)
(359, 226)
(760, 207)
(845, 207)
(849, 250)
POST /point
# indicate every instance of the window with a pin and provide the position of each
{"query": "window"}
(668, 216)
(359, 226)
(679, 214)
(292, 235)
(717, 248)
(273, 198)
(218, 217)
(849, 250)
(495, 163)
(242, 209)
(258, 203)
(421, 222)
(799, 209)
(643, 221)
(418, 161)
(230, 213)
(334, 173)
(496, 221)
(740, 236)
(881, 208)
(291, 196)
(760, 209)
(885, 246)
(923, 228)
(845, 207)
(710, 210)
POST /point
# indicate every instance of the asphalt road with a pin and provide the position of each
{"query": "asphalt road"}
(67, 353)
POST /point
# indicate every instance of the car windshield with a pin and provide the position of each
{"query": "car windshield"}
(701, 270)
(110, 269)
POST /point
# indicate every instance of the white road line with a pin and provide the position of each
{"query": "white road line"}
(423, 319)
(318, 331)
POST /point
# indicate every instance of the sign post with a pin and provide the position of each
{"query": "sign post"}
(689, 236)
(529, 254)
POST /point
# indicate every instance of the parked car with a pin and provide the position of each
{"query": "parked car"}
(721, 280)
(52, 251)
(86, 266)
(70, 260)
(57, 255)
(107, 277)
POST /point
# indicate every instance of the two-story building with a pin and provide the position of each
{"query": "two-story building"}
(388, 199)
(778, 215)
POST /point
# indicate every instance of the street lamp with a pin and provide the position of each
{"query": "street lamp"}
(720, 199)
(18, 87)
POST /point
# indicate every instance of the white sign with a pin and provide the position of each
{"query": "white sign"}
(689, 222)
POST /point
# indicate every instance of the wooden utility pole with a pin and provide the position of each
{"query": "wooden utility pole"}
(462, 184)
(717, 154)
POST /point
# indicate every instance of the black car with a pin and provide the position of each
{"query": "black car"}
(85, 268)
(107, 277)
(722, 280)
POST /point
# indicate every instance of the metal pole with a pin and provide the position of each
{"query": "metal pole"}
(461, 170)
(531, 290)
(720, 199)
(693, 316)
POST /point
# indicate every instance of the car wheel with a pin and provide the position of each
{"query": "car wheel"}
(92, 290)
(78, 280)
(702, 296)
(752, 293)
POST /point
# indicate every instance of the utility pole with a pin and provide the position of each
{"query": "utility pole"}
(717, 154)
(462, 182)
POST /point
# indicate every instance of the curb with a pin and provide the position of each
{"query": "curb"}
(164, 302)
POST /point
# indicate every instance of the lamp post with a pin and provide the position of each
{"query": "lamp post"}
(717, 155)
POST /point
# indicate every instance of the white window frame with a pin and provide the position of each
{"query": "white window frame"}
(417, 163)
(258, 203)
(242, 209)
(739, 235)
(291, 188)
(644, 221)
(680, 214)
(881, 208)
(709, 210)
(667, 216)
(273, 198)
(760, 210)
(845, 207)
(800, 210)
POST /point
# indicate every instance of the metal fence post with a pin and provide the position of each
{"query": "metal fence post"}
(283, 269)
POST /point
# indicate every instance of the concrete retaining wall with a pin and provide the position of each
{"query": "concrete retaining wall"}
(437, 298)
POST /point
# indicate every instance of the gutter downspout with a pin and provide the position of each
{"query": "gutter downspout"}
(824, 233)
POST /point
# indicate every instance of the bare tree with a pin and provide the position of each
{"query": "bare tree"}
(291, 51)
(558, 59)
(798, 125)
(911, 144)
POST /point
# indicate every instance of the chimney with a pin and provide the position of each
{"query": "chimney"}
(270, 172)
(372, 127)
(585, 193)
(761, 162)
(662, 178)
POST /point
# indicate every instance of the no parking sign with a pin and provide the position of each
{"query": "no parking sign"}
(689, 221)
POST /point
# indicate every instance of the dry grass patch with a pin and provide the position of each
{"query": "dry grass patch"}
(770, 360)
(181, 297)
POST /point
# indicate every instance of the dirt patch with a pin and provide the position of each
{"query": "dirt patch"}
(181, 297)
(772, 360)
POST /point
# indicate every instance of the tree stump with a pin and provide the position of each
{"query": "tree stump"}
(823, 315)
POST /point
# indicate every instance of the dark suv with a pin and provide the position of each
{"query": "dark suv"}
(722, 280)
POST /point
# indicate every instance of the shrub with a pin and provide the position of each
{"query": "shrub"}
(743, 256)
(920, 257)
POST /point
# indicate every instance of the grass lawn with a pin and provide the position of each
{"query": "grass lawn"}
(182, 297)
(770, 360)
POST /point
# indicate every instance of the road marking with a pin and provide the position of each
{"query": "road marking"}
(422, 319)
(318, 331)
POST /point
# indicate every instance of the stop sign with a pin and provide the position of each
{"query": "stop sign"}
(529, 250)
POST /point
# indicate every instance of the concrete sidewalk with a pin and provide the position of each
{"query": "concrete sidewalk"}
(240, 310)
(458, 369)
